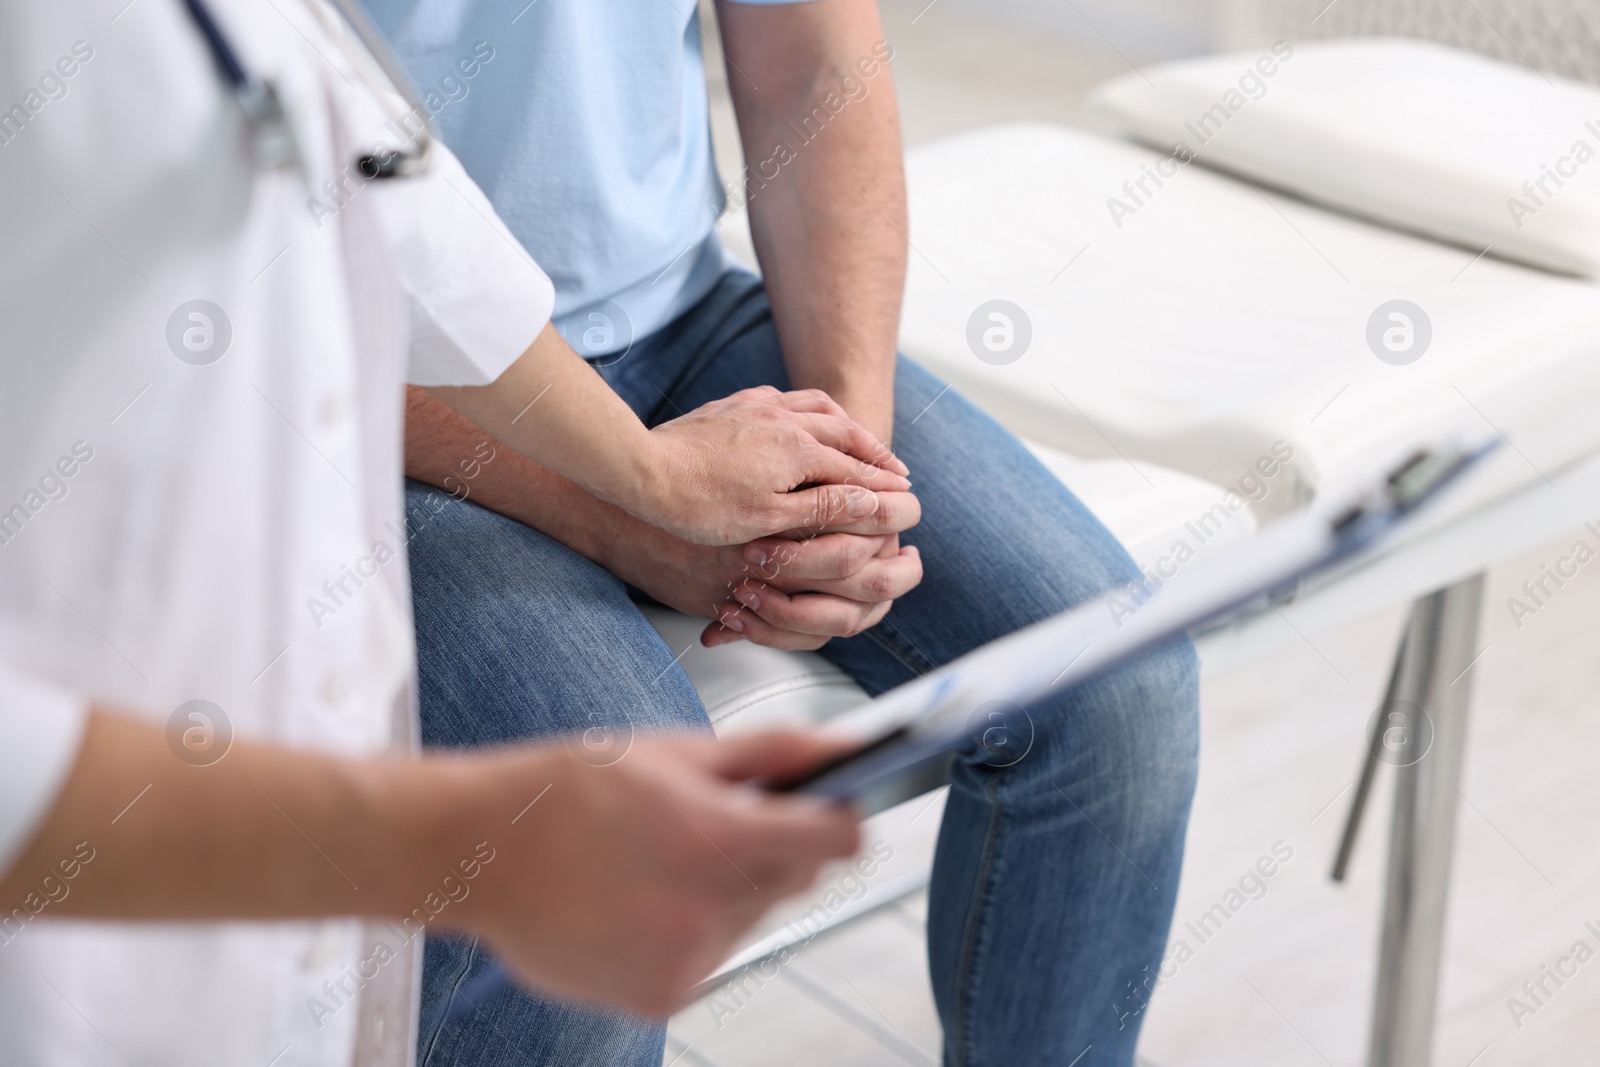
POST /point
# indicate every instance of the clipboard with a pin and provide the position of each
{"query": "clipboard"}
(907, 735)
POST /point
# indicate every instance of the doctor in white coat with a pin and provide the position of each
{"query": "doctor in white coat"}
(205, 650)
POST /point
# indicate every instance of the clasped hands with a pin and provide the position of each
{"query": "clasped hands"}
(774, 514)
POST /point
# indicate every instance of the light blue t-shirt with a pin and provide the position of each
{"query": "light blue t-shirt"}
(585, 122)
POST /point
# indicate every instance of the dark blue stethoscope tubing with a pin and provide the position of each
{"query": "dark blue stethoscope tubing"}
(227, 59)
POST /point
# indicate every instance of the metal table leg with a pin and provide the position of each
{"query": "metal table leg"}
(1440, 643)
(1378, 733)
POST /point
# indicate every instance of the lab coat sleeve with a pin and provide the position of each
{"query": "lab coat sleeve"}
(43, 727)
(476, 298)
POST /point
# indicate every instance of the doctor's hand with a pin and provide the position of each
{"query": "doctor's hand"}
(750, 465)
(626, 884)
(761, 462)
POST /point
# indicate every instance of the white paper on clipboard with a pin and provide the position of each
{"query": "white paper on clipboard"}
(928, 718)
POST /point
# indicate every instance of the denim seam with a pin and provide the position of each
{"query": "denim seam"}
(973, 941)
(884, 637)
(455, 989)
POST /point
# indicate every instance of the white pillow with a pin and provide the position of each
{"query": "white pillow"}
(1416, 135)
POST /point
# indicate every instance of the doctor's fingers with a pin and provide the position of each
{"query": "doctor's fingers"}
(771, 846)
(817, 402)
(784, 752)
(778, 844)
(861, 459)
(748, 838)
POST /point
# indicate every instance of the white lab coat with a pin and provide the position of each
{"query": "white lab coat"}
(169, 525)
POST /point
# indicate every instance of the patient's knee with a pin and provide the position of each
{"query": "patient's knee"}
(1147, 729)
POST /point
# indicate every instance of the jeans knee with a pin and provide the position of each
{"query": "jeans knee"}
(1169, 677)
(519, 637)
(1132, 744)
(1165, 730)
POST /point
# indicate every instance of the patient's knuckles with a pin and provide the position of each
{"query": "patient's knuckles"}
(812, 614)
(784, 555)
(767, 414)
(816, 400)
(847, 554)
(770, 513)
(877, 585)
(823, 613)
(755, 392)
(867, 616)
(837, 617)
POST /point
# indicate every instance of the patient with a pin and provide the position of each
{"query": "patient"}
(1056, 871)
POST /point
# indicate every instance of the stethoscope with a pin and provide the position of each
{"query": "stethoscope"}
(273, 134)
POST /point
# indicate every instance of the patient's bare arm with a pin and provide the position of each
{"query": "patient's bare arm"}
(829, 223)
(624, 884)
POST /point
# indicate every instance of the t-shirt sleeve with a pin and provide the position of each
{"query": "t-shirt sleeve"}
(43, 727)
(476, 298)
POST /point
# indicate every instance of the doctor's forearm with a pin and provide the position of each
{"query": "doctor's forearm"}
(444, 449)
(552, 407)
(753, 464)
(265, 833)
(613, 888)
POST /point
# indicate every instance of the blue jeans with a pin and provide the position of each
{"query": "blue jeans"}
(1054, 880)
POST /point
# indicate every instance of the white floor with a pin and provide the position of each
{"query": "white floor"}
(1287, 980)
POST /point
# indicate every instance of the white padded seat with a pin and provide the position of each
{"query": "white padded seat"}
(746, 686)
